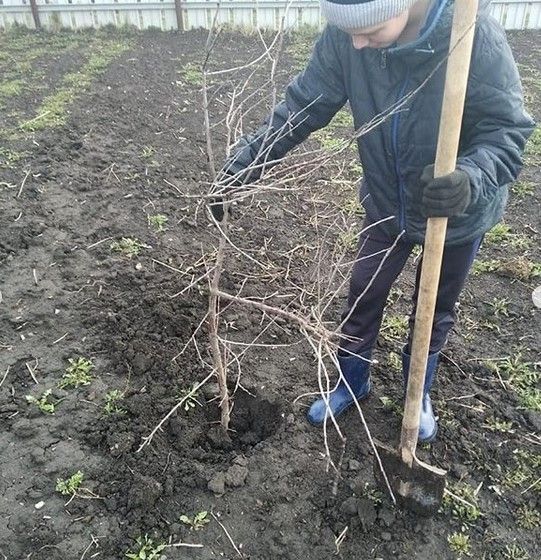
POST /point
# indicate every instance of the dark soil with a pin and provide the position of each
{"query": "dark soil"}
(65, 294)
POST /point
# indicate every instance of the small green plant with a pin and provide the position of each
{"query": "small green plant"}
(495, 425)
(77, 373)
(347, 239)
(328, 141)
(514, 370)
(490, 325)
(498, 235)
(197, 522)
(128, 246)
(448, 419)
(343, 118)
(8, 157)
(331, 137)
(43, 402)
(515, 477)
(355, 167)
(394, 295)
(528, 518)
(394, 361)
(69, 486)
(145, 549)
(352, 207)
(500, 307)
(533, 146)
(417, 251)
(527, 465)
(523, 374)
(515, 552)
(530, 398)
(394, 327)
(523, 188)
(193, 75)
(391, 405)
(462, 502)
(372, 493)
(522, 377)
(460, 543)
(501, 234)
(158, 222)
(535, 270)
(529, 459)
(480, 266)
(112, 400)
(519, 241)
(147, 152)
(190, 397)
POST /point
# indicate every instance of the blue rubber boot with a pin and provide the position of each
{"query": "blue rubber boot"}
(428, 427)
(356, 371)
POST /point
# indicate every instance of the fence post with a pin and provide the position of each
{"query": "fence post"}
(180, 16)
(35, 14)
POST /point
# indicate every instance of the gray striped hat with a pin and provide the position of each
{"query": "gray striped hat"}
(356, 14)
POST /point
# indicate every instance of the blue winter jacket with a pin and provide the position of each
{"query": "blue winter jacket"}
(494, 130)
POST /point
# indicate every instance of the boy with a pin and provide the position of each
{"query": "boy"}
(372, 53)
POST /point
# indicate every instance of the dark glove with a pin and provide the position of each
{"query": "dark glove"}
(216, 207)
(227, 184)
(445, 196)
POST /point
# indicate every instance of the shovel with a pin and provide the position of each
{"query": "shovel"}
(417, 485)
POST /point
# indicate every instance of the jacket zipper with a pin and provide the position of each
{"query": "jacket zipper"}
(401, 185)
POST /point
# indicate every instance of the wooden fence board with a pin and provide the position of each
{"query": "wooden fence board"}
(76, 14)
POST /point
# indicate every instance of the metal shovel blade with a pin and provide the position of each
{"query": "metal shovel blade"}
(415, 485)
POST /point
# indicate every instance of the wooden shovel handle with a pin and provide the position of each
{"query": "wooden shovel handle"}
(456, 80)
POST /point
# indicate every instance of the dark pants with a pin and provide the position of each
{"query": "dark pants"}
(377, 267)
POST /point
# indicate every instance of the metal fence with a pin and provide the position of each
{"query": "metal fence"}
(189, 14)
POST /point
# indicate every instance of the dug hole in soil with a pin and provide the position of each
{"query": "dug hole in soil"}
(65, 294)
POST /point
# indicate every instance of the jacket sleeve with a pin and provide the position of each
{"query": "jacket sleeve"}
(495, 124)
(311, 101)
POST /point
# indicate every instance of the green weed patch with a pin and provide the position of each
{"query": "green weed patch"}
(533, 146)
(9, 158)
(10, 88)
(302, 43)
(54, 109)
(522, 377)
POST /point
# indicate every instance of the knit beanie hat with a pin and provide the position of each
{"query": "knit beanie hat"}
(356, 14)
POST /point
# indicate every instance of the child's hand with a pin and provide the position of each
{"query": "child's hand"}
(444, 196)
